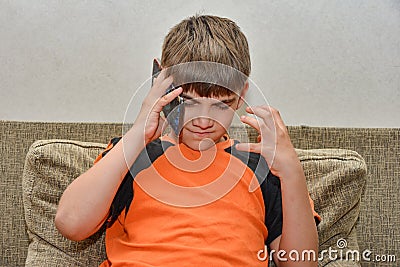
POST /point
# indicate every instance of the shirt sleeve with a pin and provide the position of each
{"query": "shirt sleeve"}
(273, 208)
(110, 145)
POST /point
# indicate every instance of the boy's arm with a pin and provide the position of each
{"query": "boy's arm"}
(298, 229)
(85, 204)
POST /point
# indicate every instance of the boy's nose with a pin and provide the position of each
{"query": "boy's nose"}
(202, 122)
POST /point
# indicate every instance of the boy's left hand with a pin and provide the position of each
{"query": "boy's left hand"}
(273, 141)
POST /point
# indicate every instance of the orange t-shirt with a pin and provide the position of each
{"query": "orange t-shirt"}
(191, 208)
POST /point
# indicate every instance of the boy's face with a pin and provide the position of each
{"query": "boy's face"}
(206, 119)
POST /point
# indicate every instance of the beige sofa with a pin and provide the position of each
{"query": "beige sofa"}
(360, 209)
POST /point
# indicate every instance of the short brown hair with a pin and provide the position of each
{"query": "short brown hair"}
(207, 38)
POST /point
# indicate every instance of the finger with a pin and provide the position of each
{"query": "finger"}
(275, 114)
(252, 122)
(166, 83)
(278, 120)
(162, 125)
(257, 122)
(259, 111)
(249, 147)
(160, 87)
(263, 112)
(276, 117)
(166, 99)
(160, 76)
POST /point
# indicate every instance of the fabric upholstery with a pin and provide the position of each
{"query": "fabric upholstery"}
(49, 168)
(335, 178)
(16, 138)
(377, 227)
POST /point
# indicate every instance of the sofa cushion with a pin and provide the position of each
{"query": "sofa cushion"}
(50, 166)
(335, 179)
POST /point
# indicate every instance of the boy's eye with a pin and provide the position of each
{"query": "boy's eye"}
(222, 106)
(192, 103)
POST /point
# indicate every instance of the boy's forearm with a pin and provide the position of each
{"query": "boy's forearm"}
(299, 230)
(84, 205)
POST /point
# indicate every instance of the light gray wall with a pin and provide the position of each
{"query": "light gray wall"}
(321, 63)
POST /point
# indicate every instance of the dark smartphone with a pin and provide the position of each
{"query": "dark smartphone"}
(173, 111)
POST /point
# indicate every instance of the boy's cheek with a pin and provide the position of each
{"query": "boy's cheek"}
(226, 121)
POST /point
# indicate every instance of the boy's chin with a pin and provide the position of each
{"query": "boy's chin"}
(195, 142)
(199, 145)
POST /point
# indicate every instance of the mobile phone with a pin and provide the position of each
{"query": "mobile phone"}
(174, 110)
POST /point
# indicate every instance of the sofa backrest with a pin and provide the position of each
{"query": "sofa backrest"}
(377, 228)
(16, 138)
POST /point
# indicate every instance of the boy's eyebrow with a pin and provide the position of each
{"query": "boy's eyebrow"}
(229, 100)
(186, 96)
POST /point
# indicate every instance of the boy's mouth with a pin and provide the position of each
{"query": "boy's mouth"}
(201, 134)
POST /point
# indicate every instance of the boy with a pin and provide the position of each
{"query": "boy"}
(163, 222)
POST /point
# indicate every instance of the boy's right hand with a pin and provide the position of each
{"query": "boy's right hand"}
(149, 118)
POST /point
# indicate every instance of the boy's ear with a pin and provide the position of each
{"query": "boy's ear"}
(158, 62)
(243, 94)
